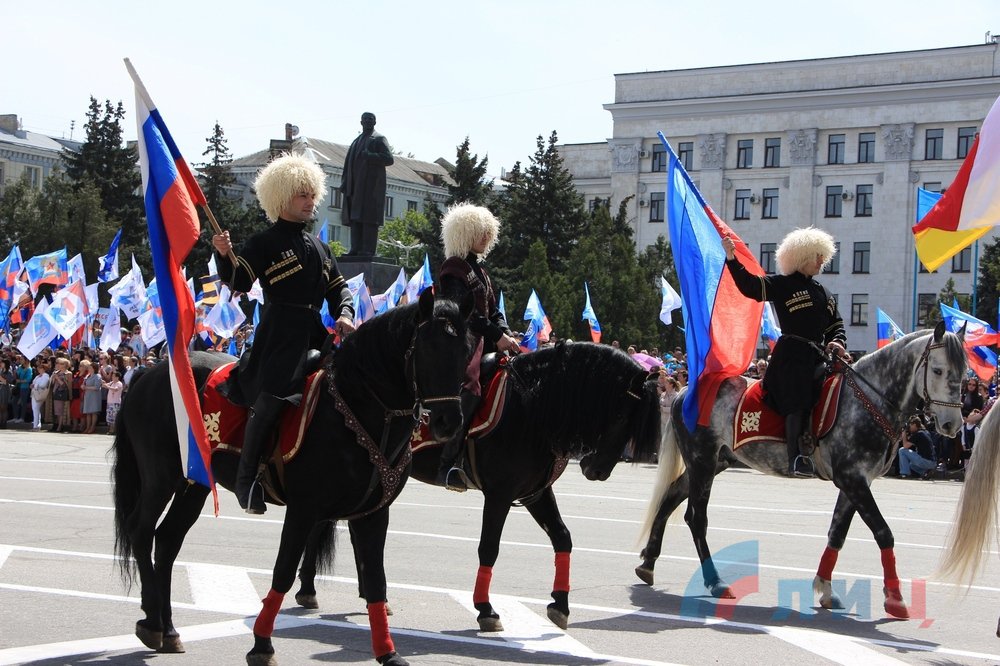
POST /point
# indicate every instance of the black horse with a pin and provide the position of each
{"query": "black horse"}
(577, 400)
(353, 462)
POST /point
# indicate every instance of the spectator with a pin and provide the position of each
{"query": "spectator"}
(129, 371)
(668, 387)
(916, 456)
(114, 389)
(91, 389)
(76, 395)
(23, 376)
(39, 394)
(62, 390)
(6, 390)
(761, 367)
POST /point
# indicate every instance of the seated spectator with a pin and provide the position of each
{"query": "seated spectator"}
(916, 457)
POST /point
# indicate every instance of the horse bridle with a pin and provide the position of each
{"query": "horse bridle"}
(419, 411)
(928, 400)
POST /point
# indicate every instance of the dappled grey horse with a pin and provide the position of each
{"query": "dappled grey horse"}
(882, 389)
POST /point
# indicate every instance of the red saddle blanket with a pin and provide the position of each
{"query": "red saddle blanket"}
(485, 419)
(226, 422)
(757, 422)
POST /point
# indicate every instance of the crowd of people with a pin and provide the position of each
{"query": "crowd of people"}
(67, 392)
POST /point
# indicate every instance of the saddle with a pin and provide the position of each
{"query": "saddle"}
(225, 422)
(493, 381)
(756, 422)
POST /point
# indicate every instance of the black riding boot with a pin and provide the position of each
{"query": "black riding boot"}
(799, 463)
(260, 429)
(448, 475)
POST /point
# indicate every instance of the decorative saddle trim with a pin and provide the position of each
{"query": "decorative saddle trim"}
(484, 421)
(755, 421)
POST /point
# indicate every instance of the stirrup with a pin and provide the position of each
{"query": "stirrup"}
(808, 471)
(256, 505)
(459, 487)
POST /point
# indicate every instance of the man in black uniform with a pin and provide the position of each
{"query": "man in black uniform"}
(296, 272)
(364, 187)
(469, 233)
(810, 324)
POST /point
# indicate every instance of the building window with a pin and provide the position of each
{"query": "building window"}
(863, 201)
(744, 153)
(859, 309)
(33, 177)
(337, 233)
(926, 304)
(336, 198)
(742, 211)
(862, 256)
(685, 153)
(412, 205)
(835, 150)
(770, 211)
(772, 153)
(934, 144)
(966, 135)
(834, 265)
(962, 262)
(598, 202)
(934, 187)
(659, 162)
(388, 207)
(834, 200)
(866, 147)
(656, 207)
(767, 252)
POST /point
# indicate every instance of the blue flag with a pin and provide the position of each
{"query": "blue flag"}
(324, 231)
(108, 270)
(590, 317)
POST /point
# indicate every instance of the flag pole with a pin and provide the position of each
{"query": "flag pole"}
(217, 229)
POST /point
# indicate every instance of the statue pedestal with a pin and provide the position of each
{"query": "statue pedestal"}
(379, 273)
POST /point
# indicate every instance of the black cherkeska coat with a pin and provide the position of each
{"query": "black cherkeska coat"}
(807, 313)
(296, 274)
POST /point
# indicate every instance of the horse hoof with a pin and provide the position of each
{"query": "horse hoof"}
(388, 609)
(171, 645)
(307, 600)
(557, 617)
(721, 591)
(645, 574)
(490, 624)
(832, 602)
(150, 638)
(894, 604)
(261, 659)
(392, 659)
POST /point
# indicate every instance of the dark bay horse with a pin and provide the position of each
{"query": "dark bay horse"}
(575, 400)
(975, 524)
(925, 366)
(354, 460)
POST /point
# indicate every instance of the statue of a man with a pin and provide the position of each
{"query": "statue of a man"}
(363, 185)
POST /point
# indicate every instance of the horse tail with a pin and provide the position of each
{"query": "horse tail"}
(975, 520)
(670, 467)
(325, 546)
(127, 487)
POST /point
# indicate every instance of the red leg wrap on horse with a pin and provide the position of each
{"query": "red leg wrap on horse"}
(561, 583)
(264, 626)
(889, 569)
(482, 592)
(379, 623)
(827, 562)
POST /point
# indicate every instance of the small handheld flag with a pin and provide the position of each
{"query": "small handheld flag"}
(108, 270)
(590, 317)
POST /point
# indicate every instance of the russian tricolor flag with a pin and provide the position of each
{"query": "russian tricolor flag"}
(769, 328)
(887, 330)
(590, 317)
(978, 337)
(721, 324)
(172, 194)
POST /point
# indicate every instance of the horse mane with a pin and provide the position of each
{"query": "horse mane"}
(881, 358)
(573, 394)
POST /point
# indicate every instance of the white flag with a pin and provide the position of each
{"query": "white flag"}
(671, 301)
(38, 332)
(111, 338)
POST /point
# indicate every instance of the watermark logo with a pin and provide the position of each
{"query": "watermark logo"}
(738, 567)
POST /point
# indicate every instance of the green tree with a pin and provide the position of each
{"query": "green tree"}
(109, 165)
(948, 295)
(988, 286)
(401, 240)
(469, 174)
(539, 203)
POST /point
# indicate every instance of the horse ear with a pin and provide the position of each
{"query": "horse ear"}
(426, 304)
(961, 331)
(939, 331)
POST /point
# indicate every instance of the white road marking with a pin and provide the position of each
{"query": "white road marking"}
(5, 552)
(40, 480)
(223, 588)
(838, 649)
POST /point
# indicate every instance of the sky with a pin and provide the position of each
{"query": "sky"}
(501, 73)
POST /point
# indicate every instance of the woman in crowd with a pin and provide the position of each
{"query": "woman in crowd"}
(62, 390)
(114, 389)
(91, 388)
(76, 396)
(24, 375)
(39, 394)
(6, 391)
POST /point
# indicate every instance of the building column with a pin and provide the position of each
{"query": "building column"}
(625, 177)
(896, 198)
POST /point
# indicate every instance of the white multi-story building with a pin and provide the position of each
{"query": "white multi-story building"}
(838, 143)
(28, 155)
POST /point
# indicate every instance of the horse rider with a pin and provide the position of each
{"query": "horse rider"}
(811, 327)
(469, 232)
(297, 272)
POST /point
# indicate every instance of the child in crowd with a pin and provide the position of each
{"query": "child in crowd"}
(114, 388)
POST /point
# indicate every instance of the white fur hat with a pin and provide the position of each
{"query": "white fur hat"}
(282, 179)
(464, 225)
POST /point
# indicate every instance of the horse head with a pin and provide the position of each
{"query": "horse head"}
(438, 355)
(637, 427)
(938, 376)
